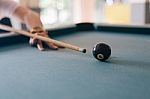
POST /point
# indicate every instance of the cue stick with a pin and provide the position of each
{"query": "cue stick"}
(46, 39)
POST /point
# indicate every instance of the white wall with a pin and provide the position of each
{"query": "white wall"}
(137, 1)
(138, 12)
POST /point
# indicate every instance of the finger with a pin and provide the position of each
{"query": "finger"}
(39, 45)
(52, 46)
(33, 41)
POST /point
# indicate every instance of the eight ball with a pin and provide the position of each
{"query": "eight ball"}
(101, 51)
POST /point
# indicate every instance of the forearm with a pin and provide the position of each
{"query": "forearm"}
(27, 16)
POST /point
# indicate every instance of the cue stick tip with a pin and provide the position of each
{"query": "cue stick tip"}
(82, 50)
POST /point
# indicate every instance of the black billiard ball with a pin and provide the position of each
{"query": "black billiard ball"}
(101, 51)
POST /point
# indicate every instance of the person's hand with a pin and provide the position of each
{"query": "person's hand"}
(38, 43)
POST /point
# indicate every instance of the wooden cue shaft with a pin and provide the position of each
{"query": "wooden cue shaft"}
(46, 39)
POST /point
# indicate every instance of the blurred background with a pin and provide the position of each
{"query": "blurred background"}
(125, 12)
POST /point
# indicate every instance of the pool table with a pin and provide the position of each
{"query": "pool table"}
(27, 73)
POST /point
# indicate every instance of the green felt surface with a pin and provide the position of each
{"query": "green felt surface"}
(26, 73)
